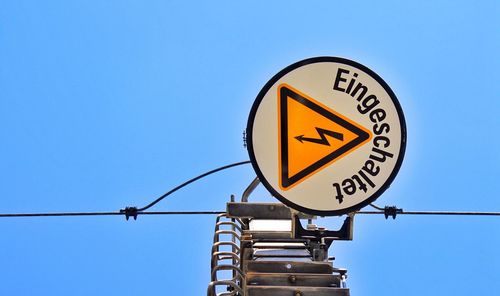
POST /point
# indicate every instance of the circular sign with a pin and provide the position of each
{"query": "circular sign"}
(326, 136)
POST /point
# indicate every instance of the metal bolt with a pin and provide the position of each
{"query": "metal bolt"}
(292, 279)
(298, 293)
(271, 208)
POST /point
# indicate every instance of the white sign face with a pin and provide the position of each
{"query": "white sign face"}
(326, 136)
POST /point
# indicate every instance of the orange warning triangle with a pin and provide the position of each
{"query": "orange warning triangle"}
(311, 136)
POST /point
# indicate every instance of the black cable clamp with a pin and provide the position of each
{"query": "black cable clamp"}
(130, 212)
(392, 211)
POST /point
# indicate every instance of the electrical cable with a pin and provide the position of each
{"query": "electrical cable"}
(189, 182)
(134, 212)
(445, 213)
(61, 214)
(376, 207)
(66, 214)
(393, 211)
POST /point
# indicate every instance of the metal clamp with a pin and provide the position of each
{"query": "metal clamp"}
(130, 212)
(392, 211)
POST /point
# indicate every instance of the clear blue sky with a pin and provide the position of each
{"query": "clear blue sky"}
(107, 104)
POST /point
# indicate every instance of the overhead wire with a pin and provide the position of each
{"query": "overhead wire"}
(393, 211)
(376, 207)
(191, 181)
(445, 213)
(63, 214)
(134, 211)
(68, 214)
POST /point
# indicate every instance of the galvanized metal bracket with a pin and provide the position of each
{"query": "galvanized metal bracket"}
(262, 211)
(344, 233)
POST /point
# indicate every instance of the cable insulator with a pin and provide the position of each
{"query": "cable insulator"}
(130, 212)
(392, 211)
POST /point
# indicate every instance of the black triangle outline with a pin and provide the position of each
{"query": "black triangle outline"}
(284, 93)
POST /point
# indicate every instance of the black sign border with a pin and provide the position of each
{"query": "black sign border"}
(260, 97)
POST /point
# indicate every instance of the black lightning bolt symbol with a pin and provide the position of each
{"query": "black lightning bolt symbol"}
(322, 140)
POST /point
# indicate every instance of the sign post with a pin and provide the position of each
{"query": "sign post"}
(326, 136)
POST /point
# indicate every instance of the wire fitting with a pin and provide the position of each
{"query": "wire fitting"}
(244, 139)
(130, 212)
(392, 211)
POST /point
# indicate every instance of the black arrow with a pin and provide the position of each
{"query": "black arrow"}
(322, 140)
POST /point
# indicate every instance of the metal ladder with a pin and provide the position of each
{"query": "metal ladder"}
(283, 260)
(226, 257)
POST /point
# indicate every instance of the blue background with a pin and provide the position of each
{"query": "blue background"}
(107, 104)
